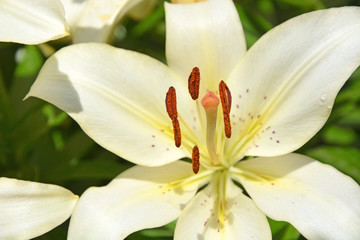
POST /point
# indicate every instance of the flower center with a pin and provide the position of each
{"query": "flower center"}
(210, 103)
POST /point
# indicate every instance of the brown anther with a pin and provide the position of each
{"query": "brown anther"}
(194, 83)
(177, 132)
(195, 159)
(170, 102)
(225, 97)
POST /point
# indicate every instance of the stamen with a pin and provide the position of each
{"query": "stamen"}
(177, 132)
(170, 102)
(194, 83)
(225, 96)
(195, 159)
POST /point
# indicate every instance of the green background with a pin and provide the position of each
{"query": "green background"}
(38, 142)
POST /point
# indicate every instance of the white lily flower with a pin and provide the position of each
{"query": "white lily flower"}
(30, 209)
(274, 98)
(93, 20)
(32, 22)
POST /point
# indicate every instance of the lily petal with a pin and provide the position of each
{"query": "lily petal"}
(285, 86)
(201, 35)
(73, 11)
(30, 209)
(239, 219)
(118, 99)
(137, 199)
(99, 18)
(32, 22)
(315, 198)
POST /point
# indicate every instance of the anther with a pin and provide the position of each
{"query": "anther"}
(195, 159)
(194, 83)
(225, 97)
(177, 132)
(170, 102)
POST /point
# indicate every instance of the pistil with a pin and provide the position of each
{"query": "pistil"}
(210, 102)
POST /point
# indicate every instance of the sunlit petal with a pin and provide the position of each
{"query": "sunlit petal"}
(284, 88)
(30, 209)
(32, 22)
(99, 17)
(315, 198)
(208, 35)
(137, 199)
(73, 9)
(118, 98)
(239, 219)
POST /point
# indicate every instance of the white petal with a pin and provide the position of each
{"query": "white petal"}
(284, 88)
(241, 218)
(99, 17)
(73, 11)
(118, 99)
(32, 22)
(137, 199)
(315, 198)
(208, 35)
(30, 209)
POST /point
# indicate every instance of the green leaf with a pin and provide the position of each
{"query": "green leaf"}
(29, 60)
(346, 159)
(251, 32)
(334, 134)
(351, 118)
(305, 4)
(283, 230)
(58, 139)
(164, 233)
(149, 23)
(53, 120)
(97, 169)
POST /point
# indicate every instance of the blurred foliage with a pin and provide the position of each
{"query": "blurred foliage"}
(38, 142)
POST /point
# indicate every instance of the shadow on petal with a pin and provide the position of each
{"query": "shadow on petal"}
(52, 85)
